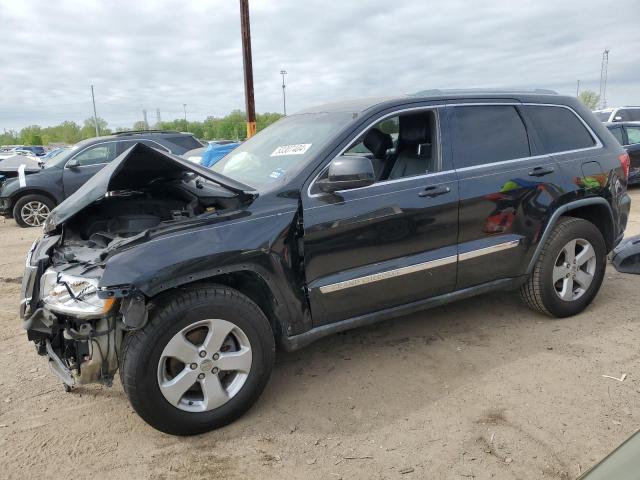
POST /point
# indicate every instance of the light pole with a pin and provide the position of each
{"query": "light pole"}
(578, 89)
(284, 96)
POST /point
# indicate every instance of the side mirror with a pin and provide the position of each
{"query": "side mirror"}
(73, 163)
(347, 172)
(617, 118)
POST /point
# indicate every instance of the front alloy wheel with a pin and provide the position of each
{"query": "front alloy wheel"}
(204, 365)
(34, 213)
(200, 362)
(32, 210)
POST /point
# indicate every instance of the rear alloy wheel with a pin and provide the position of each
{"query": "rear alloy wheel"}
(200, 362)
(574, 269)
(569, 269)
(32, 210)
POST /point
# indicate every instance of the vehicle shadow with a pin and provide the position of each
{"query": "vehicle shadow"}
(380, 373)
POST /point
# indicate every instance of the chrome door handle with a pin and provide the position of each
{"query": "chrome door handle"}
(541, 171)
(434, 191)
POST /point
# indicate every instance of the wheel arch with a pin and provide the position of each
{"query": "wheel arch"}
(595, 210)
(251, 282)
(31, 191)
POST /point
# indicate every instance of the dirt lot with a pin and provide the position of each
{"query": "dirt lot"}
(479, 389)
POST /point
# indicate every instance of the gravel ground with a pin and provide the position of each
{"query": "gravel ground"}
(483, 388)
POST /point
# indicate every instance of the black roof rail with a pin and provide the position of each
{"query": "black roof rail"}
(142, 132)
(463, 91)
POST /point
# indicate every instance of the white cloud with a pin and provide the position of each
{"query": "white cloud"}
(156, 54)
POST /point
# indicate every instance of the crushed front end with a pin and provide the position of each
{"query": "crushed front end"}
(65, 316)
(75, 320)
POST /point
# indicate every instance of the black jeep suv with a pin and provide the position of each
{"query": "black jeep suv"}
(185, 278)
(29, 193)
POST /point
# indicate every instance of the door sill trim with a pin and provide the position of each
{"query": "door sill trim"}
(296, 342)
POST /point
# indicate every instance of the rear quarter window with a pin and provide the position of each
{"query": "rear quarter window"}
(185, 141)
(559, 129)
(617, 132)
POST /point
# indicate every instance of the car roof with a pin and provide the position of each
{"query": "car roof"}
(613, 124)
(365, 104)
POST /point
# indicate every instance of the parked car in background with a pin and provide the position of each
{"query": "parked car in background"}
(618, 114)
(31, 195)
(628, 134)
(37, 150)
(184, 278)
(11, 152)
(210, 154)
(53, 153)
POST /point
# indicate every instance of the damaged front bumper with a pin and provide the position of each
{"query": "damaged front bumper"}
(79, 332)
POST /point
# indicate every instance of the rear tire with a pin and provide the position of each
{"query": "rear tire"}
(32, 210)
(212, 394)
(569, 270)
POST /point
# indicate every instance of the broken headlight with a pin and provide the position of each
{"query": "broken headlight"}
(74, 296)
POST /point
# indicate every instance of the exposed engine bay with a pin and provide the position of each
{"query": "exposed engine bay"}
(125, 213)
(76, 323)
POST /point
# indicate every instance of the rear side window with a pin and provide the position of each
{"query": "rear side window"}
(486, 134)
(559, 129)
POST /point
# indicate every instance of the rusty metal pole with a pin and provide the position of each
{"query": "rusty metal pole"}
(248, 68)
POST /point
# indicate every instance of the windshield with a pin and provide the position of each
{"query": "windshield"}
(282, 149)
(602, 116)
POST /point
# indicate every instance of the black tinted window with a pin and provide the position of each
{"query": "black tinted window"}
(486, 134)
(559, 129)
(187, 142)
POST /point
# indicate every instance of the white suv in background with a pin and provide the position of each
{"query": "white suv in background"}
(618, 114)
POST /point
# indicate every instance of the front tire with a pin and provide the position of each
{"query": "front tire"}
(32, 210)
(569, 270)
(201, 361)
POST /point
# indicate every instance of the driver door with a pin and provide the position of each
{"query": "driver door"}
(85, 164)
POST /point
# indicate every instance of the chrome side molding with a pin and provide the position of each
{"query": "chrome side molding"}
(397, 272)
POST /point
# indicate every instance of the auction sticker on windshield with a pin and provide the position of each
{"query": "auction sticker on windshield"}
(298, 149)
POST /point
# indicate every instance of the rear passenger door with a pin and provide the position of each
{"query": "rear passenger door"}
(506, 187)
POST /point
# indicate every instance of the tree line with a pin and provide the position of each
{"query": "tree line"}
(229, 127)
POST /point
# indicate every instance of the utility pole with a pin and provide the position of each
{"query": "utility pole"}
(603, 78)
(144, 115)
(578, 89)
(95, 115)
(248, 68)
(184, 105)
(284, 97)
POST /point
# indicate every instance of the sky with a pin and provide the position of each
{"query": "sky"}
(148, 55)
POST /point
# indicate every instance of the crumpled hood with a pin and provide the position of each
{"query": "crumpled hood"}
(135, 168)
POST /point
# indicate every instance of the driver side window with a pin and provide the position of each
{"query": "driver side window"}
(401, 146)
(102, 153)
